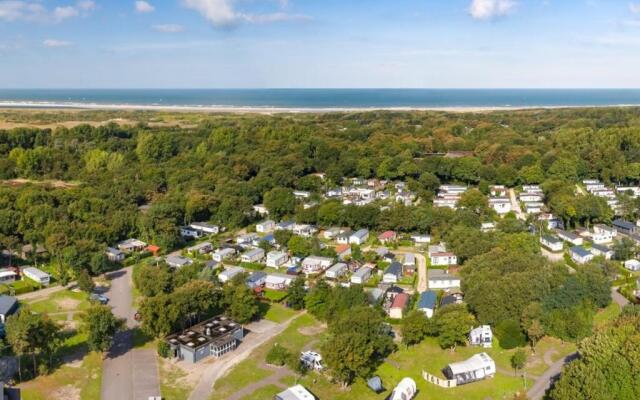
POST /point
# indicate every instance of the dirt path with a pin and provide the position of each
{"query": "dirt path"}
(515, 205)
(280, 372)
(43, 293)
(547, 356)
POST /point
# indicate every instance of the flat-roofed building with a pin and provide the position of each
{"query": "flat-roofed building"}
(214, 337)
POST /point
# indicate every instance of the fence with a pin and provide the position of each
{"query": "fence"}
(445, 383)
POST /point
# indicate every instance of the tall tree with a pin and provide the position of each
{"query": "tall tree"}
(101, 326)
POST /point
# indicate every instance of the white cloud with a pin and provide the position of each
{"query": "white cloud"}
(634, 8)
(62, 13)
(56, 43)
(17, 10)
(222, 13)
(86, 5)
(168, 28)
(33, 10)
(488, 9)
(144, 7)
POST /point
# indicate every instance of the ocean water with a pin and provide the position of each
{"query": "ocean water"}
(318, 98)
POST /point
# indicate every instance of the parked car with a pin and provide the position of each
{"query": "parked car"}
(99, 298)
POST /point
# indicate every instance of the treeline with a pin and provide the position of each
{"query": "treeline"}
(220, 166)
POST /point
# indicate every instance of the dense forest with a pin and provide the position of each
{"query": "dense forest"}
(75, 191)
(217, 168)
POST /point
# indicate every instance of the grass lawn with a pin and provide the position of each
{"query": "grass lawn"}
(405, 362)
(172, 386)
(607, 314)
(279, 313)
(536, 364)
(265, 393)
(61, 301)
(81, 380)
(410, 363)
(249, 371)
(275, 295)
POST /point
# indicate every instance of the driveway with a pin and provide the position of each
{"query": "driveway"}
(261, 332)
(515, 205)
(128, 374)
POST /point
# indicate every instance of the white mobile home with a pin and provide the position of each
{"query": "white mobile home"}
(439, 279)
(7, 276)
(359, 237)
(276, 258)
(336, 271)
(570, 237)
(315, 264)
(223, 253)
(37, 275)
(481, 336)
(265, 226)
(552, 243)
(361, 276)
(229, 273)
(254, 255)
(632, 265)
(444, 258)
(475, 368)
(580, 255)
(599, 250)
(278, 281)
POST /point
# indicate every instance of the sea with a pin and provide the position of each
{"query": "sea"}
(316, 99)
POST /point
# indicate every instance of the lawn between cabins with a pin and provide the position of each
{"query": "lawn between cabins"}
(405, 362)
(80, 378)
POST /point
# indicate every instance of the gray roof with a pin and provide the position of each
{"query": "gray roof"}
(551, 239)
(257, 276)
(580, 251)
(8, 304)
(624, 224)
(360, 233)
(395, 268)
(113, 251)
(600, 248)
(178, 260)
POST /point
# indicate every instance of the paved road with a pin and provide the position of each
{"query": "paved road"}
(618, 298)
(515, 205)
(44, 292)
(128, 374)
(218, 368)
(422, 269)
(543, 383)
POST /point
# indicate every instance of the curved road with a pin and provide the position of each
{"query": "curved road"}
(543, 383)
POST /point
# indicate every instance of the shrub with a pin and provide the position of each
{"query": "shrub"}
(163, 349)
(278, 355)
(510, 334)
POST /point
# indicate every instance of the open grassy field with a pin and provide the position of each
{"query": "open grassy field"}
(80, 379)
(173, 385)
(63, 301)
(302, 331)
(405, 362)
(279, 313)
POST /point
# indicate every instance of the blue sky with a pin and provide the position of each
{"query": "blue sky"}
(319, 43)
